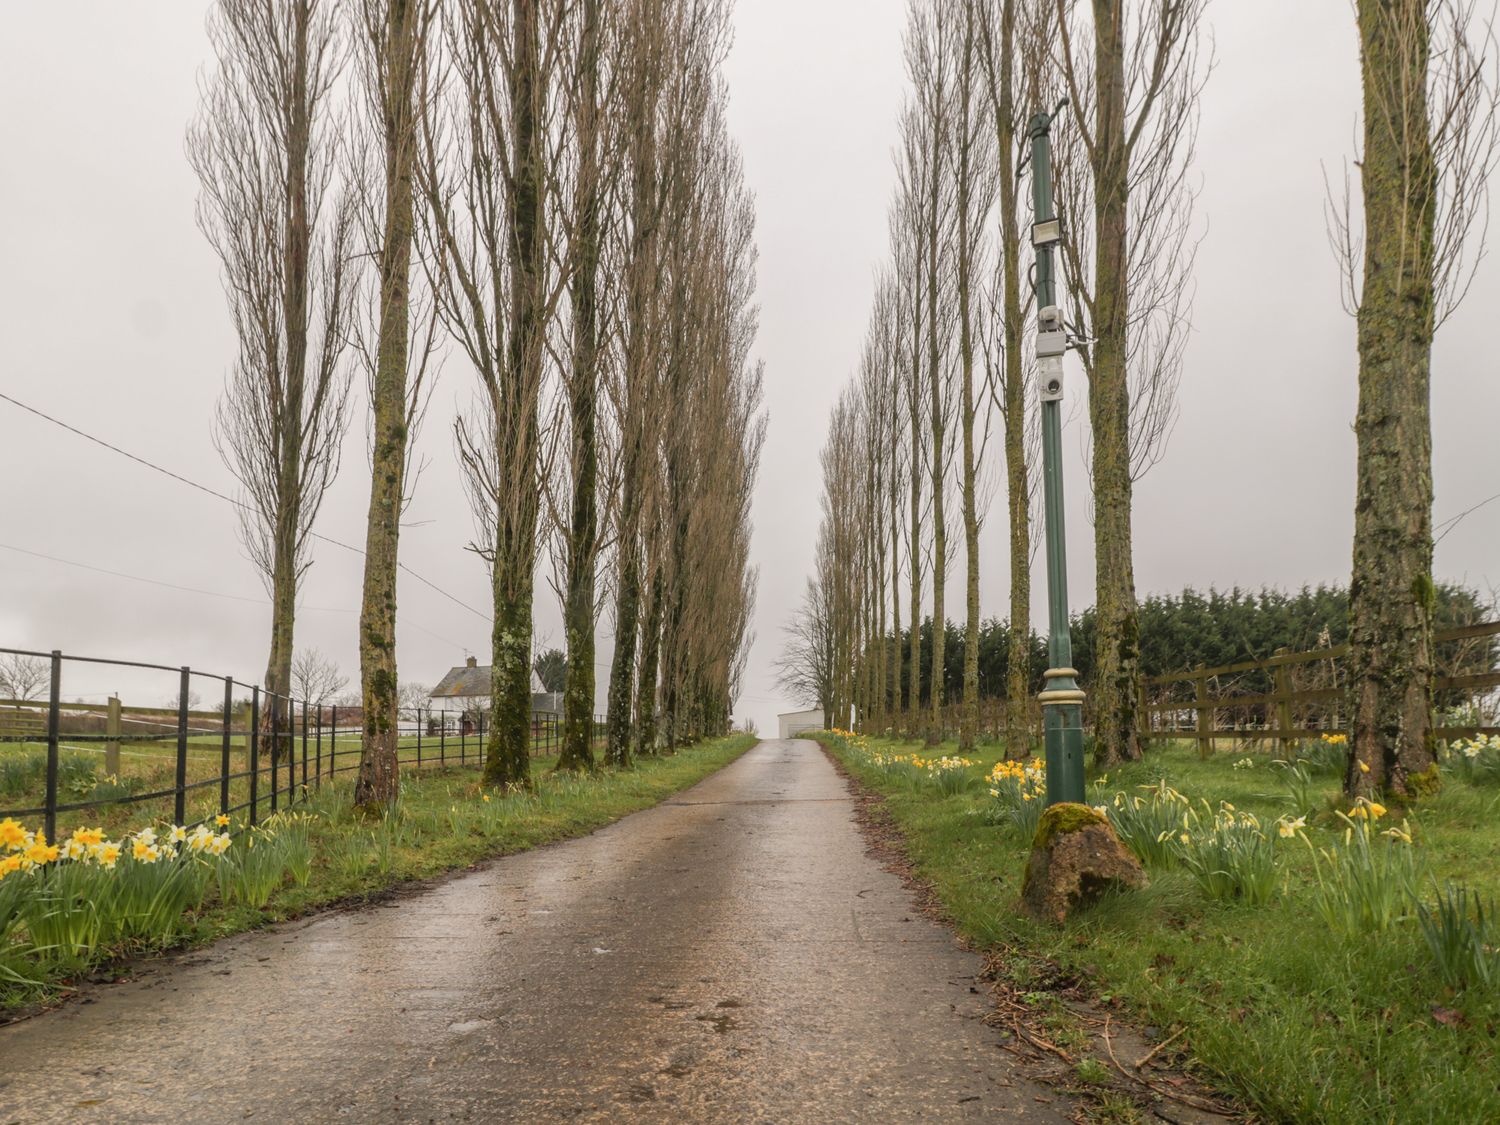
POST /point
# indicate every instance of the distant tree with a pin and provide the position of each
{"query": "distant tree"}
(315, 678)
(805, 668)
(174, 701)
(24, 677)
(412, 696)
(552, 669)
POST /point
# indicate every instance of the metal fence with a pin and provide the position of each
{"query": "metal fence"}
(263, 751)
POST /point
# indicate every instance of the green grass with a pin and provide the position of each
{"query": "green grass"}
(1280, 1012)
(149, 767)
(444, 822)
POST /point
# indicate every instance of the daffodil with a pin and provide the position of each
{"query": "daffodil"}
(9, 864)
(109, 855)
(222, 820)
(1287, 827)
(1364, 767)
(87, 836)
(12, 836)
(40, 852)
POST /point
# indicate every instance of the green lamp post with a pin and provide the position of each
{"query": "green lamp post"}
(1062, 700)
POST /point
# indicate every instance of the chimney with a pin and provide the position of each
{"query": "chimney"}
(470, 663)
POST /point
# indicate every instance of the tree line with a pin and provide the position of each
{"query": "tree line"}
(945, 368)
(545, 193)
(1179, 632)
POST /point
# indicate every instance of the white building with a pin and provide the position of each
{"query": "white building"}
(790, 724)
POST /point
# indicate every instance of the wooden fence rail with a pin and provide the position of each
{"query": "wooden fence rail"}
(1284, 698)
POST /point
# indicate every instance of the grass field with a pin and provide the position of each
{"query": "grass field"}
(1276, 1008)
(150, 767)
(444, 821)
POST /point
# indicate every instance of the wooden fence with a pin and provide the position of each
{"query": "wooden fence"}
(1286, 698)
(1299, 695)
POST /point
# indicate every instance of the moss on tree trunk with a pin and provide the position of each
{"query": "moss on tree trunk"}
(378, 780)
(1391, 591)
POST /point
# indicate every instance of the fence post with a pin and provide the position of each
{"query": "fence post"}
(304, 748)
(1205, 716)
(179, 807)
(419, 738)
(318, 751)
(224, 747)
(333, 742)
(54, 719)
(112, 747)
(1142, 716)
(463, 737)
(1283, 706)
(291, 750)
(254, 749)
(273, 701)
(443, 738)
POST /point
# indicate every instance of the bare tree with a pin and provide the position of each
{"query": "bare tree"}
(1133, 72)
(1429, 146)
(1012, 29)
(24, 678)
(316, 680)
(263, 148)
(485, 177)
(393, 42)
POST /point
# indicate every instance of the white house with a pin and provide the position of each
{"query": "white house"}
(468, 687)
(790, 724)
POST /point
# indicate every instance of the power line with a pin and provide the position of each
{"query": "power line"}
(208, 593)
(220, 496)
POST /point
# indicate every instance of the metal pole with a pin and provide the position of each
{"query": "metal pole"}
(254, 749)
(224, 745)
(274, 702)
(179, 807)
(54, 722)
(1062, 700)
(318, 751)
(333, 742)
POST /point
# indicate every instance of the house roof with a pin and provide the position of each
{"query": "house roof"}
(471, 681)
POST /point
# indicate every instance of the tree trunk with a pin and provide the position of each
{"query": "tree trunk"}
(294, 298)
(964, 262)
(645, 698)
(1391, 591)
(939, 469)
(1018, 732)
(1117, 647)
(627, 620)
(517, 424)
(378, 781)
(577, 750)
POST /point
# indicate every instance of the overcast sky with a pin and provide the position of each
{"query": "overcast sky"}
(112, 318)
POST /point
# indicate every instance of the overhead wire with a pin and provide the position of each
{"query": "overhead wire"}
(223, 496)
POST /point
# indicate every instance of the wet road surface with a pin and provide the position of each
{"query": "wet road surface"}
(731, 955)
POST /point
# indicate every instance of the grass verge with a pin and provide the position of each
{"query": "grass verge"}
(1299, 1022)
(445, 821)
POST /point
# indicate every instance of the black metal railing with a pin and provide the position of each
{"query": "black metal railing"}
(267, 750)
